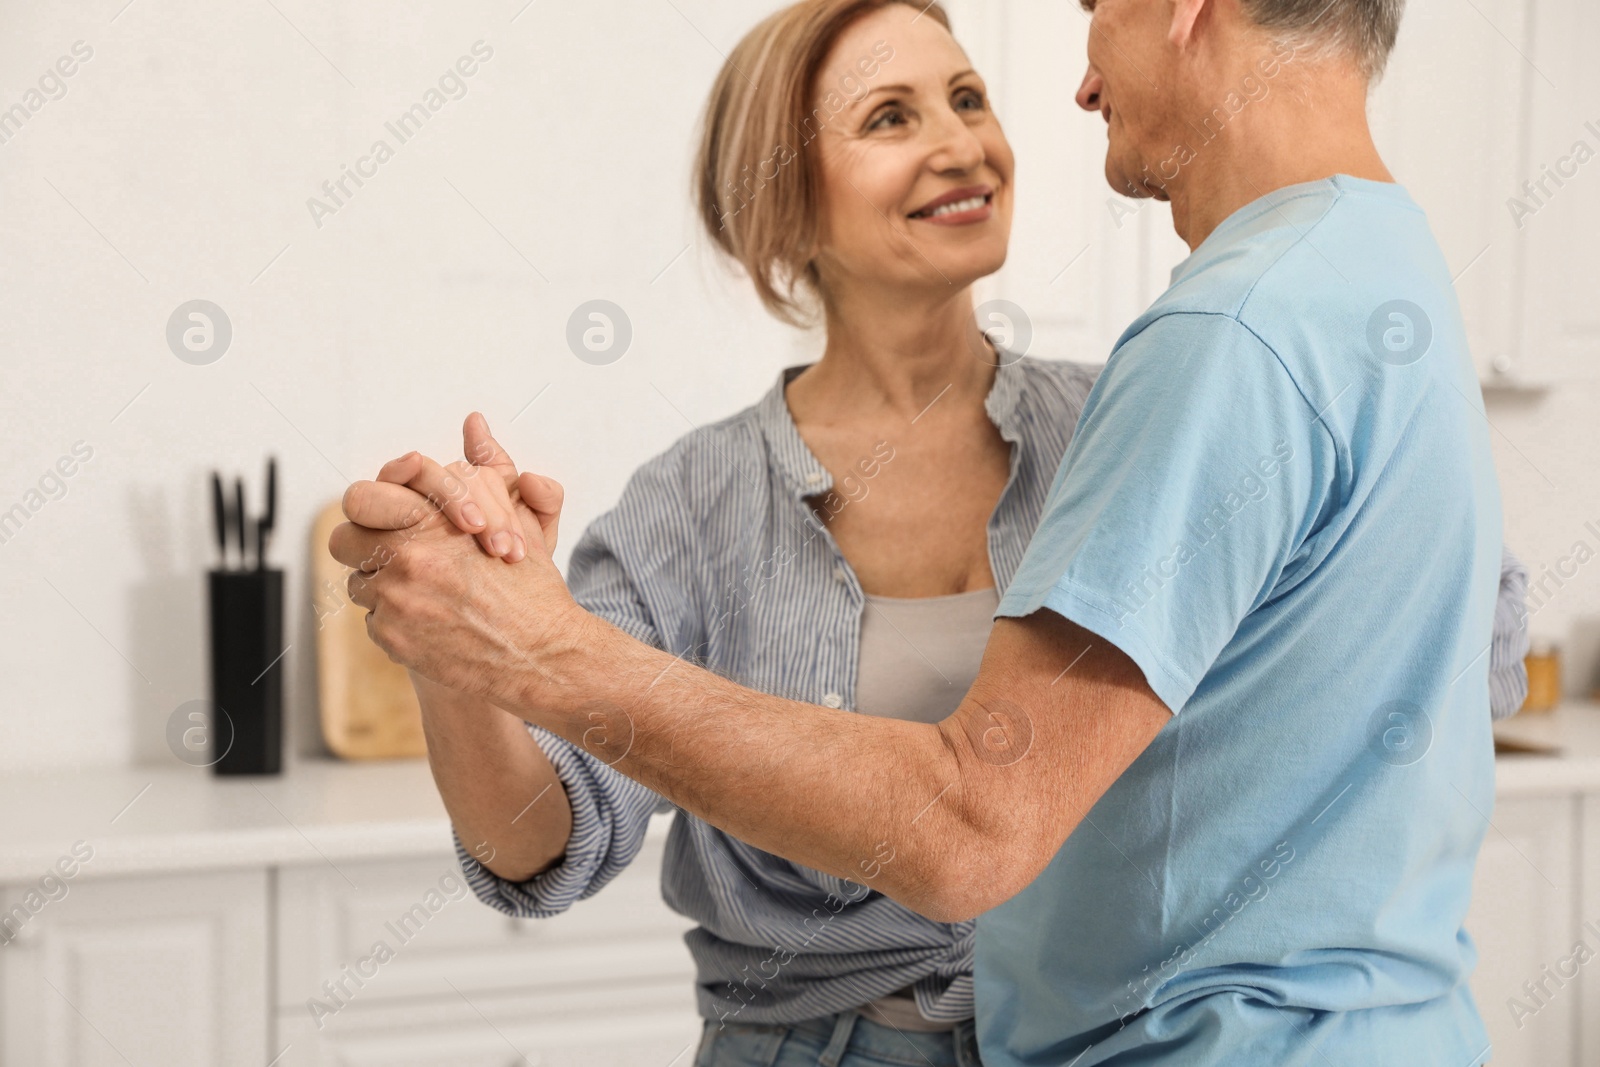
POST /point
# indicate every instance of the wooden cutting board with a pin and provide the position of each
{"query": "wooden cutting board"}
(368, 708)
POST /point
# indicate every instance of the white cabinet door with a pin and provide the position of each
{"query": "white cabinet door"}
(1083, 262)
(619, 1024)
(1589, 916)
(380, 930)
(1449, 118)
(164, 970)
(1560, 183)
(395, 962)
(1524, 919)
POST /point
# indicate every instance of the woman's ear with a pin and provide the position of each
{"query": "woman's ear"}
(1186, 17)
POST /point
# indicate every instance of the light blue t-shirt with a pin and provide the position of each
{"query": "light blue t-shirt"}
(1280, 503)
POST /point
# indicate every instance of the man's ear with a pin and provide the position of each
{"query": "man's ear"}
(1186, 21)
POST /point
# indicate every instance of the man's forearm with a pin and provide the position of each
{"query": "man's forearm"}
(499, 788)
(944, 817)
(872, 800)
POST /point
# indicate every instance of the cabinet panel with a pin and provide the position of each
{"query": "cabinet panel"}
(1078, 257)
(1449, 119)
(1559, 190)
(1589, 920)
(1523, 919)
(386, 929)
(168, 970)
(621, 1024)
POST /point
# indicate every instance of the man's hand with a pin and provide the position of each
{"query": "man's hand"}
(444, 609)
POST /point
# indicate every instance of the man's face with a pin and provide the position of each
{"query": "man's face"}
(1132, 82)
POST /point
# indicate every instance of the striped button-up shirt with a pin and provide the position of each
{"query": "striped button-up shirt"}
(1508, 673)
(718, 552)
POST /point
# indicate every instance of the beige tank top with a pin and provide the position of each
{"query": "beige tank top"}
(918, 659)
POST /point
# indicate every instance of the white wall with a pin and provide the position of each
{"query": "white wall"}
(191, 142)
(179, 163)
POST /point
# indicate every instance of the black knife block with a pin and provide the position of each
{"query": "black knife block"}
(246, 623)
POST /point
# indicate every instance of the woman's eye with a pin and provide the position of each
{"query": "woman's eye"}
(889, 116)
(968, 100)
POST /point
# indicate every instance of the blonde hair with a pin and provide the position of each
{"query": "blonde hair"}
(756, 185)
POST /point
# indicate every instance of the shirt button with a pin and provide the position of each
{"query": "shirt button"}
(814, 478)
(839, 575)
(833, 700)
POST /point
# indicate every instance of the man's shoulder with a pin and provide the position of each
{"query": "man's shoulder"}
(1255, 247)
(1295, 253)
(1307, 275)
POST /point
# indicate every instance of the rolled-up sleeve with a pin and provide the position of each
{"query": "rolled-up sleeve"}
(1508, 675)
(610, 815)
(634, 568)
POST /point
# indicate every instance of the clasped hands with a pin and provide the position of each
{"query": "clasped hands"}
(453, 566)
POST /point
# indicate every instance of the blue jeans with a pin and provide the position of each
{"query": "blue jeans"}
(843, 1040)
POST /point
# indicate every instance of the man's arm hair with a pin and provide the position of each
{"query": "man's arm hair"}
(950, 819)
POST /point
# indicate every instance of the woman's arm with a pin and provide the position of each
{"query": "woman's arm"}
(506, 803)
(539, 823)
(1508, 677)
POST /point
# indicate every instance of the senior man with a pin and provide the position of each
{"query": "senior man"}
(1217, 793)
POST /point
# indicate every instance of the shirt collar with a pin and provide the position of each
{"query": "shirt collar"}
(805, 475)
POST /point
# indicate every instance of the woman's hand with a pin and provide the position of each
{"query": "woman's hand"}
(477, 494)
(474, 494)
(543, 496)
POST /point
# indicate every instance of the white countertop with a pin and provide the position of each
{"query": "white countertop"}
(161, 819)
(141, 819)
(1570, 762)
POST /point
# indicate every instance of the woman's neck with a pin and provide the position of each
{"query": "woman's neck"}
(893, 354)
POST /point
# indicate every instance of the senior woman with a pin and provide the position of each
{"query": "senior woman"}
(842, 541)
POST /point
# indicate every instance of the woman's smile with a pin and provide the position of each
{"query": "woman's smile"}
(959, 207)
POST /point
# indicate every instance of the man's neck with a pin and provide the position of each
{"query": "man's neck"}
(1288, 139)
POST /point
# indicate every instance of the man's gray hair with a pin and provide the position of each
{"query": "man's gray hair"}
(1364, 30)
